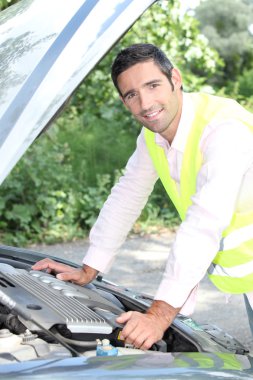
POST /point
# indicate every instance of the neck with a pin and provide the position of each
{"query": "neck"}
(170, 132)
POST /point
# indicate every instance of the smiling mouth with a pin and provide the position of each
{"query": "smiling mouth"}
(152, 115)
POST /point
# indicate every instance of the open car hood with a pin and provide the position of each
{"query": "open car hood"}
(46, 49)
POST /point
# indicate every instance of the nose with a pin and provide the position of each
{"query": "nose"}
(145, 101)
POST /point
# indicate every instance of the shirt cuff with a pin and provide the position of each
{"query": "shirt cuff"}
(99, 260)
(177, 296)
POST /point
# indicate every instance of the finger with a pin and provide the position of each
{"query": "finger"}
(124, 317)
(131, 330)
(51, 265)
(44, 264)
(41, 264)
(140, 339)
(147, 343)
(136, 337)
(77, 276)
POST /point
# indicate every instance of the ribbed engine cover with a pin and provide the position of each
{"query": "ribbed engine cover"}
(51, 301)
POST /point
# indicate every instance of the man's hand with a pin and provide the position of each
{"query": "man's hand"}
(80, 276)
(143, 330)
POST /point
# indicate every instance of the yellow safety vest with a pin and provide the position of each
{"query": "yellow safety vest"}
(231, 270)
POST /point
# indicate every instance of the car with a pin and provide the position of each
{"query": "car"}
(55, 329)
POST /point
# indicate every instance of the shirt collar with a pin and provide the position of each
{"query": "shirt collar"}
(186, 120)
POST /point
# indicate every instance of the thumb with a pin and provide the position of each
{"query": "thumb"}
(124, 317)
(69, 276)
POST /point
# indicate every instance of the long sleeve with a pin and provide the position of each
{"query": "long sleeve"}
(122, 208)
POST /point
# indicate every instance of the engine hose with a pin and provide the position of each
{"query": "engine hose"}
(12, 323)
(79, 343)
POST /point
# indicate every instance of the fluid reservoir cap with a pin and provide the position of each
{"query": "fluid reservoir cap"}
(105, 348)
(28, 336)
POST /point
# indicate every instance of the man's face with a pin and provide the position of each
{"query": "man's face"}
(148, 95)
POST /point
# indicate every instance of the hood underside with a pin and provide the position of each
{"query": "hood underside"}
(47, 48)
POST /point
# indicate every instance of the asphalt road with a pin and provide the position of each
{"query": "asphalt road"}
(139, 265)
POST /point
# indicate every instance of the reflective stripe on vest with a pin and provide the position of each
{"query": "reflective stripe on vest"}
(235, 251)
(236, 238)
(238, 272)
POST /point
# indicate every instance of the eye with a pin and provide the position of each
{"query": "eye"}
(154, 85)
(130, 96)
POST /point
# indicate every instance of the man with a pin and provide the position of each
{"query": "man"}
(201, 147)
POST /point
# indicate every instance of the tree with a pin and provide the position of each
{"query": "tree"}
(245, 84)
(226, 25)
(6, 3)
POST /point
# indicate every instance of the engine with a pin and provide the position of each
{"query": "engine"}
(50, 308)
(43, 317)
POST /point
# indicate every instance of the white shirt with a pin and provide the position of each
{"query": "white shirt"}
(224, 184)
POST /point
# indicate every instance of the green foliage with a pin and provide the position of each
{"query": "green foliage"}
(245, 83)
(31, 199)
(178, 36)
(241, 90)
(6, 3)
(38, 205)
(226, 25)
(90, 201)
(98, 144)
(159, 210)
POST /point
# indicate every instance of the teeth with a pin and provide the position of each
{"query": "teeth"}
(152, 114)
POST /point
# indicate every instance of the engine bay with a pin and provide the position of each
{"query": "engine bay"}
(43, 317)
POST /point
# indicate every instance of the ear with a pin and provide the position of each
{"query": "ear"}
(176, 78)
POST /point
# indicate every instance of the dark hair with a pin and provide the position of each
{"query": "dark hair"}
(138, 53)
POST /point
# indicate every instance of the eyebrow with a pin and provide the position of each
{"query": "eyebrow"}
(146, 84)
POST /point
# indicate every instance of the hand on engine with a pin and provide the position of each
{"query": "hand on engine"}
(143, 330)
(80, 276)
